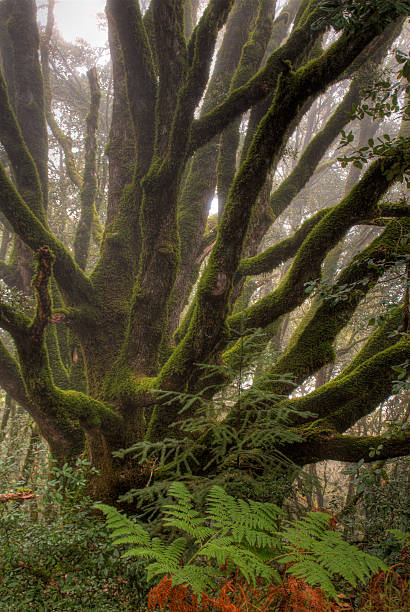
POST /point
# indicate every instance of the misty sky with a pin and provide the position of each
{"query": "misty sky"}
(78, 19)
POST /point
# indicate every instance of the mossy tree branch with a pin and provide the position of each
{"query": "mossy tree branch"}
(290, 13)
(212, 300)
(65, 440)
(168, 22)
(358, 205)
(199, 185)
(89, 182)
(354, 448)
(340, 403)
(121, 146)
(311, 345)
(24, 167)
(28, 83)
(54, 410)
(75, 286)
(160, 242)
(258, 88)
(140, 75)
(273, 256)
(252, 54)
(12, 320)
(393, 209)
(29, 338)
(309, 160)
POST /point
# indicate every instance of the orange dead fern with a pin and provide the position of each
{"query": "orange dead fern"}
(235, 595)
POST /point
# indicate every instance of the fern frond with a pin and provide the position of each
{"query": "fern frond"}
(140, 551)
(244, 534)
(314, 575)
(183, 516)
(318, 554)
(225, 510)
(173, 553)
(120, 525)
(199, 578)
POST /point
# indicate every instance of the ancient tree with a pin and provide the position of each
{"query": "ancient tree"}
(92, 360)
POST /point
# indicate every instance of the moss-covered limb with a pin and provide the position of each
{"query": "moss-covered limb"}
(35, 367)
(199, 186)
(354, 448)
(292, 12)
(359, 204)
(140, 74)
(13, 321)
(160, 241)
(393, 209)
(309, 161)
(340, 403)
(44, 264)
(380, 339)
(38, 327)
(258, 88)
(168, 22)
(89, 184)
(30, 107)
(61, 374)
(237, 31)
(65, 439)
(311, 346)
(314, 152)
(64, 141)
(278, 253)
(24, 168)
(121, 146)
(252, 54)
(213, 294)
(74, 285)
(214, 289)
(204, 38)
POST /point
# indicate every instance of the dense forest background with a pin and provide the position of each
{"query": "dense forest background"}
(204, 252)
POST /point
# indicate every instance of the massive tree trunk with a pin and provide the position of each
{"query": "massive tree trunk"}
(99, 390)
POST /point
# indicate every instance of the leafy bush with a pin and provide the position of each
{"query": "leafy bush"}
(56, 555)
(382, 500)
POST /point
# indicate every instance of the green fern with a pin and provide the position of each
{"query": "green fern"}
(319, 555)
(239, 533)
(244, 536)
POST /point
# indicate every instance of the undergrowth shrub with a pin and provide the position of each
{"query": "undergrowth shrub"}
(55, 555)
